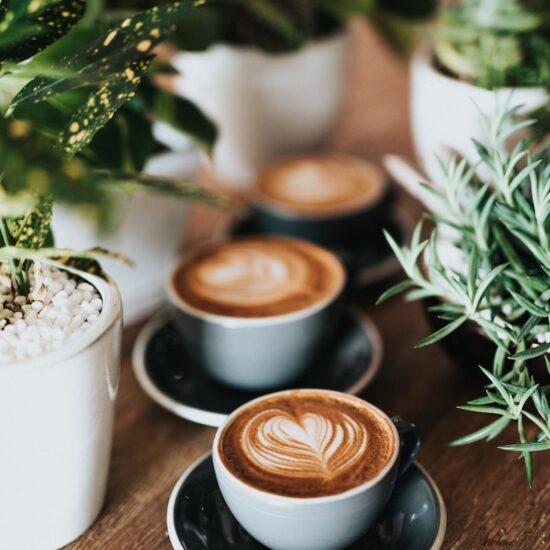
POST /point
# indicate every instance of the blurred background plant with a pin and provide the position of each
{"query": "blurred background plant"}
(495, 43)
(498, 277)
(285, 25)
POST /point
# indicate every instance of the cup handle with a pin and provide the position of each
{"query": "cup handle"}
(409, 442)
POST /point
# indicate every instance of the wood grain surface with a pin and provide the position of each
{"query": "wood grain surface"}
(488, 502)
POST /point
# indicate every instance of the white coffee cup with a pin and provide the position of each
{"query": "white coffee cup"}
(319, 523)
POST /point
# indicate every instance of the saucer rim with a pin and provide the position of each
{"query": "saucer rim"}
(213, 419)
(177, 545)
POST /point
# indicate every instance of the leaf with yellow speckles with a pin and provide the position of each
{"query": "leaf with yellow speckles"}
(99, 108)
(34, 230)
(29, 26)
(111, 54)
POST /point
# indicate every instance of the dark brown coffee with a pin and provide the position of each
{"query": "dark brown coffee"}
(307, 443)
(258, 277)
(321, 186)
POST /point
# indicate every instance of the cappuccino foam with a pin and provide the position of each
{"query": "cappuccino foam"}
(307, 444)
(333, 184)
(258, 277)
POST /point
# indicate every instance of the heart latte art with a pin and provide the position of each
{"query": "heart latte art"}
(307, 443)
(258, 277)
(312, 446)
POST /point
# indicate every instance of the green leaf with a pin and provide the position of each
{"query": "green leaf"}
(34, 231)
(489, 432)
(442, 332)
(484, 285)
(529, 447)
(183, 115)
(100, 107)
(394, 290)
(533, 309)
(28, 27)
(486, 410)
(531, 353)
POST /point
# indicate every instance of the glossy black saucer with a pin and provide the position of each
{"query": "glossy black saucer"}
(368, 258)
(198, 518)
(174, 380)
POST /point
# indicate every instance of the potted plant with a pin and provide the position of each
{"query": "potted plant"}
(479, 52)
(144, 222)
(60, 316)
(497, 284)
(270, 73)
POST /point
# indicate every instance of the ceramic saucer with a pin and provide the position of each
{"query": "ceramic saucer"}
(198, 518)
(172, 379)
(368, 260)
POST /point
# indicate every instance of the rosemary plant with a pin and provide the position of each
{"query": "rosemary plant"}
(499, 278)
(495, 44)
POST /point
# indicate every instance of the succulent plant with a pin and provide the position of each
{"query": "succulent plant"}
(495, 43)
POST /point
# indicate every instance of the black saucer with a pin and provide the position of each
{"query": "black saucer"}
(172, 379)
(368, 258)
(198, 518)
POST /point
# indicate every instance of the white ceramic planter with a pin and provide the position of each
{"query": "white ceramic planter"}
(56, 420)
(149, 230)
(265, 105)
(444, 113)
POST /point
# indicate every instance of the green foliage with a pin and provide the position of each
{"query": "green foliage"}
(76, 123)
(495, 44)
(501, 281)
(28, 26)
(283, 25)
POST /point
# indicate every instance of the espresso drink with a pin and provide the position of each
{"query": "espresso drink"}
(328, 185)
(258, 277)
(307, 444)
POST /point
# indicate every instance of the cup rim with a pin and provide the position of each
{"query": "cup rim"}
(261, 202)
(233, 321)
(283, 499)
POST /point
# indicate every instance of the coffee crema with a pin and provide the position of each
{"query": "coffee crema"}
(258, 277)
(307, 444)
(324, 185)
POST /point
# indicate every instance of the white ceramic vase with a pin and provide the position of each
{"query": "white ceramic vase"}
(149, 230)
(56, 423)
(444, 113)
(265, 105)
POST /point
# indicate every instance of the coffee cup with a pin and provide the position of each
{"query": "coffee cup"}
(254, 312)
(310, 469)
(332, 200)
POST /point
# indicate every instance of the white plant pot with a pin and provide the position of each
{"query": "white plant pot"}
(56, 422)
(264, 105)
(149, 230)
(444, 113)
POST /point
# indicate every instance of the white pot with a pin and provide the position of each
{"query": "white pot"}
(56, 422)
(265, 105)
(149, 230)
(445, 117)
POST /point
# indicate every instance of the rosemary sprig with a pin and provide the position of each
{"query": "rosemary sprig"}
(498, 276)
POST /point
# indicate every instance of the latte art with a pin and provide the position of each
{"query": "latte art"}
(321, 185)
(307, 443)
(259, 277)
(312, 446)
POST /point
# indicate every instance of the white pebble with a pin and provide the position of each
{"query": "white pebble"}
(65, 311)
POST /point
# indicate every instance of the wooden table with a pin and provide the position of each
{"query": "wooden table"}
(488, 502)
